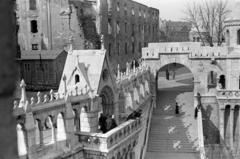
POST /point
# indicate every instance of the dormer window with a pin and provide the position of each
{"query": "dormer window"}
(77, 79)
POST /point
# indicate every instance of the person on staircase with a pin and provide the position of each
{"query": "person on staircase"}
(199, 105)
(167, 74)
(177, 109)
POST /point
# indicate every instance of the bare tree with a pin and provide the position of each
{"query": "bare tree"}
(209, 16)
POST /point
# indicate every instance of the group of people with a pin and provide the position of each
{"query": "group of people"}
(168, 74)
(134, 114)
(107, 122)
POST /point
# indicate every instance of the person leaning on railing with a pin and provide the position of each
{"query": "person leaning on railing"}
(135, 114)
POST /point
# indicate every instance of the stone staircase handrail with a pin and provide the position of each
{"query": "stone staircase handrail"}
(200, 135)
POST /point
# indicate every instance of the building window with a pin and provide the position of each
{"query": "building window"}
(140, 47)
(109, 26)
(32, 5)
(197, 39)
(27, 67)
(132, 11)
(126, 48)
(118, 48)
(118, 6)
(118, 27)
(125, 27)
(125, 9)
(140, 14)
(133, 47)
(34, 26)
(34, 46)
(193, 39)
(77, 79)
(109, 49)
(139, 29)
(144, 15)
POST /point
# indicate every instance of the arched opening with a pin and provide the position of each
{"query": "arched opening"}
(37, 131)
(107, 100)
(227, 38)
(61, 130)
(236, 126)
(238, 37)
(198, 39)
(47, 132)
(21, 140)
(193, 39)
(77, 79)
(76, 120)
(212, 79)
(222, 82)
(227, 124)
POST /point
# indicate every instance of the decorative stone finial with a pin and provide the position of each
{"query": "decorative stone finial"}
(27, 107)
(39, 98)
(102, 42)
(23, 95)
(32, 101)
(45, 98)
(70, 45)
(51, 95)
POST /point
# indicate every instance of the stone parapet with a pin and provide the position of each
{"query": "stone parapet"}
(228, 94)
(106, 142)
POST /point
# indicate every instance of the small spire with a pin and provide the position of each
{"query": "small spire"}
(102, 42)
(23, 95)
(118, 73)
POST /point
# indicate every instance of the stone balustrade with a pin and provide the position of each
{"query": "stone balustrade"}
(106, 141)
(228, 94)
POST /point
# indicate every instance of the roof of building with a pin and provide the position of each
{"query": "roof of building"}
(90, 64)
(235, 13)
(45, 54)
(178, 25)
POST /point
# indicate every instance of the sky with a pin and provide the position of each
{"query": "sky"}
(171, 9)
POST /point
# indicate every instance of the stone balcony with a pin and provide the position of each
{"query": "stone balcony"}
(231, 94)
(112, 139)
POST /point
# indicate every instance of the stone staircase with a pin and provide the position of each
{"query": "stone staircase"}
(171, 136)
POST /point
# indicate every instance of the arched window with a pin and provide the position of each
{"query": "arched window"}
(197, 39)
(77, 79)
(238, 37)
(222, 81)
(193, 39)
(227, 38)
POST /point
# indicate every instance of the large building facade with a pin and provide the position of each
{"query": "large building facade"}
(125, 26)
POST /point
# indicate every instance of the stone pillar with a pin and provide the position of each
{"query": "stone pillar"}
(89, 120)
(116, 108)
(54, 133)
(221, 124)
(231, 118)
(41, 140)
(69, 123)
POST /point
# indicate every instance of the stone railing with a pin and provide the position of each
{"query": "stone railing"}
(228, 94)
(200, 135)
(105, 142)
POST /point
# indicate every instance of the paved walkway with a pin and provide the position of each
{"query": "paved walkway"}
(173, 137)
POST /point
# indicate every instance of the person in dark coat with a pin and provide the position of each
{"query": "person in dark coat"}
(108, 123)
(102, 120)
(177, 109)
(138, 113)
(195, 113)
(167, 74)
(132, 115)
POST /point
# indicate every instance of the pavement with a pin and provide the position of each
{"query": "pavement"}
(172, 136)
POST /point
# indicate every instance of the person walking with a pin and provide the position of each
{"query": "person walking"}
(167, 74)
(177, 109)
(173, 76)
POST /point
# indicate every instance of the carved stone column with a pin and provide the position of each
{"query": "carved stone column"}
(221, 124)
(231, 126)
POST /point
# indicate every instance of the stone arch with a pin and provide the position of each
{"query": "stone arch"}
(227, 38)
(107, 100)
(136, 97)
(21, 140)
(227, 124)
(142, 91)
(37, 131)
(61, 128)
(128, 101)
(48, 132)
(222, 81)
(236, 133)
(238, 37)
